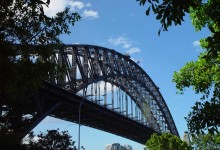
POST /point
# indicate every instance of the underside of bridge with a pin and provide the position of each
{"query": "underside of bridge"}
(93, 115)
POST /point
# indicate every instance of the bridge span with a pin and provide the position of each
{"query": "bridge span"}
(119, 96)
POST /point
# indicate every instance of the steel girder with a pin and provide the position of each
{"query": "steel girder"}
(87, 64)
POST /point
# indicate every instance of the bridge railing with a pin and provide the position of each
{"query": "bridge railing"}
(130, 116)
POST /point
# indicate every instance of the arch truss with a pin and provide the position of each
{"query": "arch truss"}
(114, 81)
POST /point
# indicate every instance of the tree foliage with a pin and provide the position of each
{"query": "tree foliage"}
(51, 140)
(166, 141)
(206, 141)
(203, 74)
(27, 40)
(10, 141)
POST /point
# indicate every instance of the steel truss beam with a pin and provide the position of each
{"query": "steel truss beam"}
(87, 65)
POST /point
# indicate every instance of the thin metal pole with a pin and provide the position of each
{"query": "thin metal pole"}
(79, 125)
(80, 105)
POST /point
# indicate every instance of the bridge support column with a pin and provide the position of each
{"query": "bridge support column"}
(74, 68)
(112, 90)
(38, 120)
(105, 92)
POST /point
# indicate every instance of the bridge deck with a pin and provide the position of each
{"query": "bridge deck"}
(93, 115)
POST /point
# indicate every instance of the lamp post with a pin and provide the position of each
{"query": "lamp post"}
(80, 105)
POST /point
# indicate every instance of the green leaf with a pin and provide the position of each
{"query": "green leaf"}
(159, 16)
(148, 11)
(153, 8)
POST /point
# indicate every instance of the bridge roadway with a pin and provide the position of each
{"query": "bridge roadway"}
(92, 115)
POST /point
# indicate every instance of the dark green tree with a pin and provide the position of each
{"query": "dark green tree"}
(10, 141)
(27, 40)
(166, 141)
(202, 75)
(51, 140)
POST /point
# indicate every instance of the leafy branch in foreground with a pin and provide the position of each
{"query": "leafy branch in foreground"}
(203, 75)
(27, 40)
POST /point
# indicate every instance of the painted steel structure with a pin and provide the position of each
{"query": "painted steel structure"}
(114, 82)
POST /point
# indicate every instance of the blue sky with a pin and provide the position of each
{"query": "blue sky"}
(122, 25)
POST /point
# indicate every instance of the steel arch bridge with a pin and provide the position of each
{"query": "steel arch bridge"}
(120, 97)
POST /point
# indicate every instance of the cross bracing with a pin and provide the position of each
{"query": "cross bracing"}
(115, 82)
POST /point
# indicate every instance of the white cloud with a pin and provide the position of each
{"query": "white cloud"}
(90, 14)
(56, 6)
(76, 5)
(100, 84)
(196, 43)
(133, 50)
(124, 42)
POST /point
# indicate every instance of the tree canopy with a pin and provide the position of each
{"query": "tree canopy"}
(51, 140)
(27, 40)
(166, 141)
(203, 74)
(206, 141)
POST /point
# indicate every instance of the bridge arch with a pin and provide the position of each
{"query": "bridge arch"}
(89, 64)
